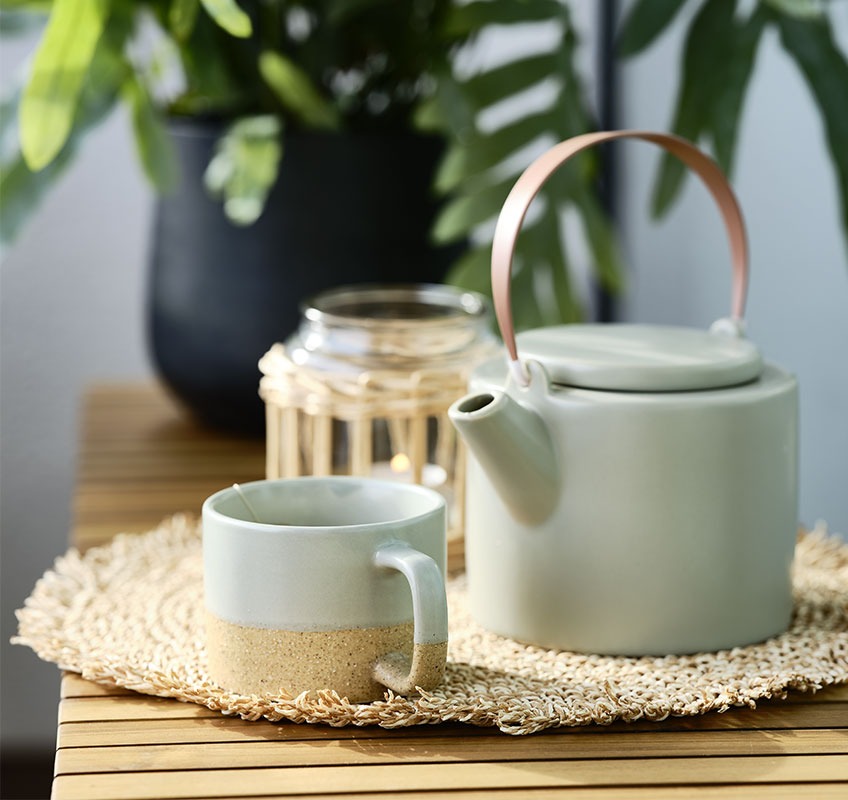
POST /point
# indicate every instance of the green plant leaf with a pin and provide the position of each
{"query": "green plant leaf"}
(480, 169)
(645, 22)
(429, 117)
(705, 48)
(725, 112)
(152, 143)
(448, 111)
(454, 168)
(483, 152)
(803, 9)
(214, 84)
(811, 44)
(58, 73)
(718, 60)
(568, 308)
(245, 167)
(8, 117)
(471, 269)
(461, 214)
(499, 83)
(526, 311)
(182, 15)
(601, 238)
(541, 249)
(22, 189)
(109, 69)
(570, 179)
(469, 18)
(229, 16)
(296, 92)
(573, 115)
(340, 12)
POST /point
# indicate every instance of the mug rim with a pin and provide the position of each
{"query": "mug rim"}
(438, 503)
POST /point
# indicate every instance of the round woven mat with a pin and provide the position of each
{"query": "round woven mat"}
(130, 613)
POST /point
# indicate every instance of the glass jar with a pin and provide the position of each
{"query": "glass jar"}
(363, 386)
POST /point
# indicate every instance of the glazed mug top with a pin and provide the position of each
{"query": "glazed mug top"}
(316, 537)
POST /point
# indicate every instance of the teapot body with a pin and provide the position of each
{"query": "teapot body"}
(673, 529)
(632, 490)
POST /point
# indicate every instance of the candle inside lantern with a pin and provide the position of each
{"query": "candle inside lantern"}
(400, 464)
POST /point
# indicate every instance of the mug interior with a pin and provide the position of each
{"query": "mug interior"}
(326, 502)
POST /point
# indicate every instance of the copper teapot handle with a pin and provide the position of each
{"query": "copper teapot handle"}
(531, 181)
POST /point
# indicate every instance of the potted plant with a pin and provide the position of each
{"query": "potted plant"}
(316, 128)
(296, 143)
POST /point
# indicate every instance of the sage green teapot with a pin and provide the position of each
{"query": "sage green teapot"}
(632, 489)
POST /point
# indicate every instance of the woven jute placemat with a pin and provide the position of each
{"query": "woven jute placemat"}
(130, 614)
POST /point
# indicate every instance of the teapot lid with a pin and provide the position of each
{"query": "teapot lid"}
(641, 358)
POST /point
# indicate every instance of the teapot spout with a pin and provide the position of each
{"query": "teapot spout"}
(513, 446)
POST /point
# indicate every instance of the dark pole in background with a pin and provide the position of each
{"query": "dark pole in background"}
(606, 306)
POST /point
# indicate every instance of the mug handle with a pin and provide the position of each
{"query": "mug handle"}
(528, 185)
(430, 622)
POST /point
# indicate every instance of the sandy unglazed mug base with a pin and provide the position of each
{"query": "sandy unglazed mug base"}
(269, 661)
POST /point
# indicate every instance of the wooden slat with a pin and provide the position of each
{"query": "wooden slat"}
(129, 707)
(74, 685)
(419, 777)
(409, 749)
(93, 534)
(768, 791)
(142, 460)
(201, 729)
(830, 694)
(147, 499)
(136, 476)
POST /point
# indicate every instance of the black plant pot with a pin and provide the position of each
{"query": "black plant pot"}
(348, 208)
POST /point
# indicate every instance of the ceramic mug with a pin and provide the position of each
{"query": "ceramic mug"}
(325, 583)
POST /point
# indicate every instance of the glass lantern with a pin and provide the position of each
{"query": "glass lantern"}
(363, 386)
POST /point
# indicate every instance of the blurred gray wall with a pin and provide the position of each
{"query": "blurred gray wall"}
(71, 307)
